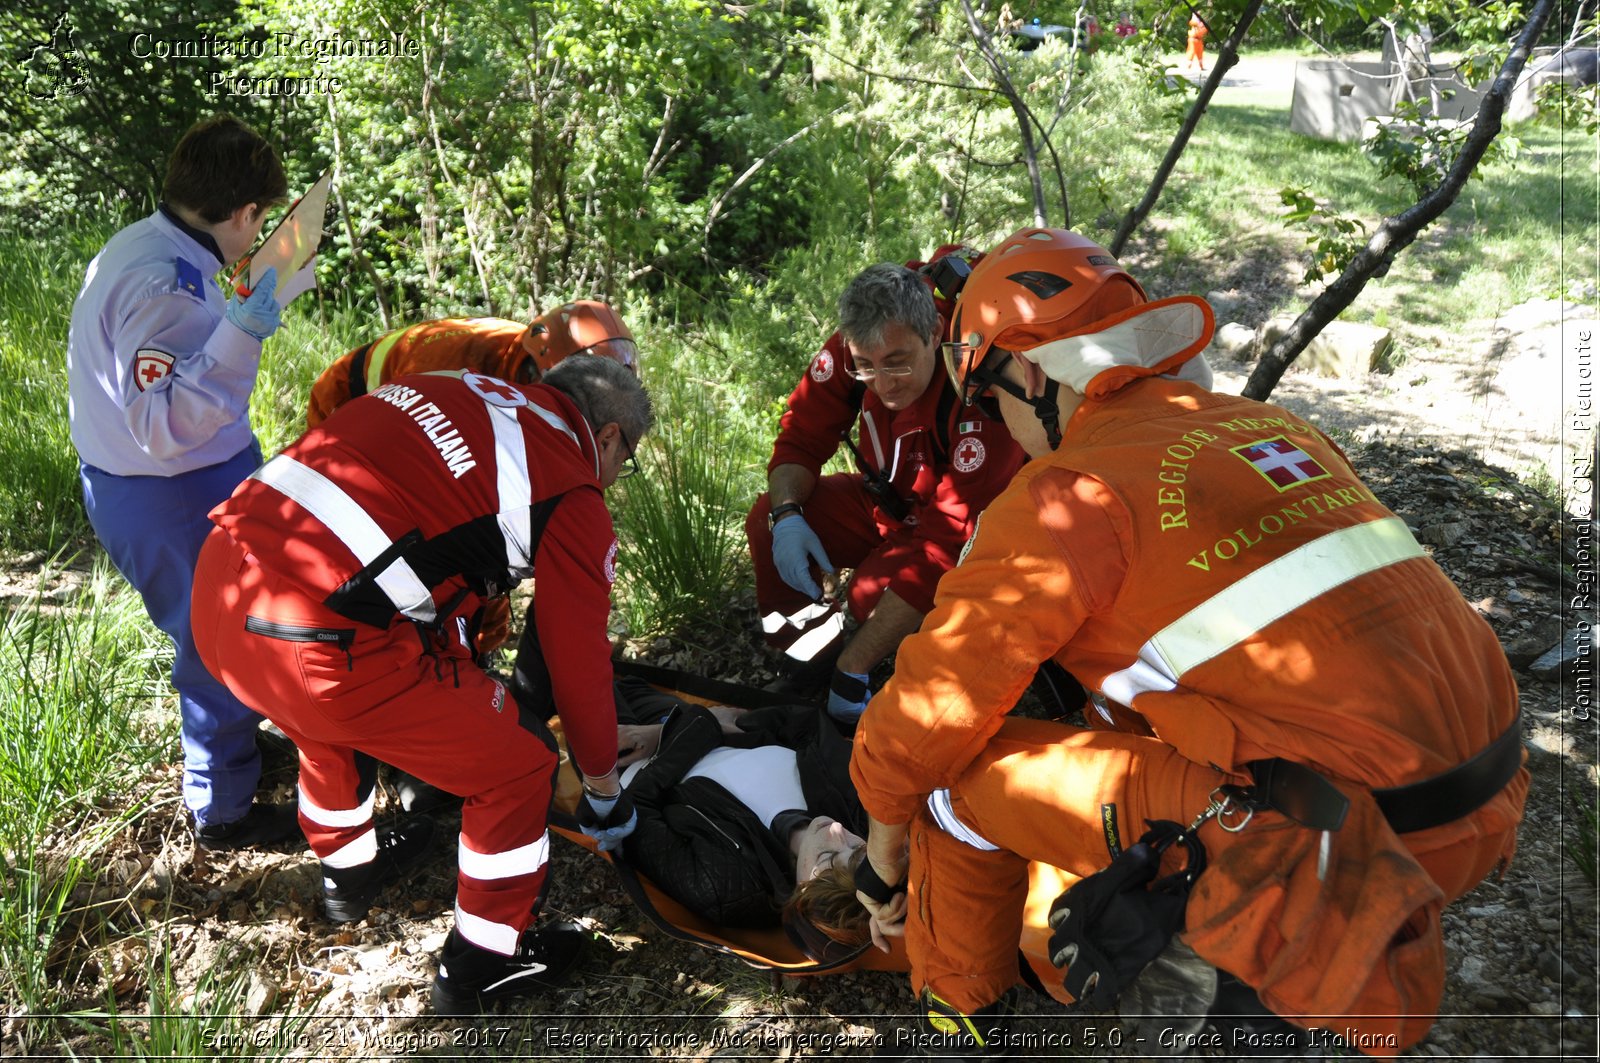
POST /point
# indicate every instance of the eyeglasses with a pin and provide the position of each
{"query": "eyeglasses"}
(867, 375)
(971, 377)
(630, 464)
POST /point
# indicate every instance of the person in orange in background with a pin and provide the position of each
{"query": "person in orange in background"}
(1195, 55)
(1285, 688)
(505, 349)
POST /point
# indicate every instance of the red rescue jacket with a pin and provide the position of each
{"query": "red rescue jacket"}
(945, 461)
(418, 501)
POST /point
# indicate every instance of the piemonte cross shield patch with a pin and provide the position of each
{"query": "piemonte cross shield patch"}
(1283, 464)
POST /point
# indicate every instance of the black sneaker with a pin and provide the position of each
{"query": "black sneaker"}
(347, 892)
(472, 979)
(944, 1032)
(806, 681)
(418, 796)
(277, 749)
(266, 824)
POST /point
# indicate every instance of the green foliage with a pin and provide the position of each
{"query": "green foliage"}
(68, 745)
(681, 520)
(1583, 835)
(1335, 238)
(40, 500)
(1421, 149)
(196, 1022)
(1573, 107)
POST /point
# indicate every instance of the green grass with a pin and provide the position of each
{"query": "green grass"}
(70, 680)
(1503, 242)
(40, 506)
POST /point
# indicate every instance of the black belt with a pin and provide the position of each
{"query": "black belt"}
(1455, 793)
(1305, 796)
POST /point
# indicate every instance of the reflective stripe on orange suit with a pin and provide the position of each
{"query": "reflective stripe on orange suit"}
(442, 454)
(488, 345)
(1153, 509)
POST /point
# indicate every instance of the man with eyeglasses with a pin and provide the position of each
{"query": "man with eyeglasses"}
(925, 470)
(334, 597)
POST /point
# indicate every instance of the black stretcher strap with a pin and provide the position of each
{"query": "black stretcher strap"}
(1458, 792)
(671, 679)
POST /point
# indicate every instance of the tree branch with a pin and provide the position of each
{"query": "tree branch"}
(1025, 119)
(1397, 233)
(1225, 61)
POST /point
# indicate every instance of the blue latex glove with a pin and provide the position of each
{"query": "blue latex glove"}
(607, 820)
(259, 313)
(794, 547)
(848, 696)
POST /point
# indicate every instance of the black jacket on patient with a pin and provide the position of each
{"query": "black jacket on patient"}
(697, 842)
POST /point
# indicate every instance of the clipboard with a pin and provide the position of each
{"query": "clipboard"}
(294, 239)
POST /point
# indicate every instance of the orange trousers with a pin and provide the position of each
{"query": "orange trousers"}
(347, 693)
(1366, 940)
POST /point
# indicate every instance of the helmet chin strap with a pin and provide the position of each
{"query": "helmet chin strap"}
(1044, 406)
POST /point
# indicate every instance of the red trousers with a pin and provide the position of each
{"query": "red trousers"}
(346, 693)
(842, 515)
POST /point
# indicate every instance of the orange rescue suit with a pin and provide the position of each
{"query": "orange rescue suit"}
(489, 345)
(1215, 566)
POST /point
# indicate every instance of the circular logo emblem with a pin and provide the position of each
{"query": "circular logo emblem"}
(150, 366)
(611, 563)
(968, 455)
(822, 366)
(494, 391)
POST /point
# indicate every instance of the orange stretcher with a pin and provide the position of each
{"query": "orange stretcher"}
(772, 949)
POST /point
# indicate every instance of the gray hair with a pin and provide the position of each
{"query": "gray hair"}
(882, 295)
(604, 391)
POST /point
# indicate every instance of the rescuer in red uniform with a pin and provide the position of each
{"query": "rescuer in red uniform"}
(334, 597)
(925, 468)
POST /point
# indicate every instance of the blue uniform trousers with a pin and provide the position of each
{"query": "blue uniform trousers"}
(152, 528)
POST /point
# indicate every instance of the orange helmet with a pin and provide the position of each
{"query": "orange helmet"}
(1036, 285)
(581, 327)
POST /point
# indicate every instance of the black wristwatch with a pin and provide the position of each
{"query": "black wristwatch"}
(783, 511)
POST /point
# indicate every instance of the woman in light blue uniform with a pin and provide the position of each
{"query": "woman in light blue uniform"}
(160, 369)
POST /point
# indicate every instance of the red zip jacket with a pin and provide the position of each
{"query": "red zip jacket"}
(414, 502)
(947, 461)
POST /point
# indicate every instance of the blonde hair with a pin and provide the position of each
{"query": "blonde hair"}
(827, 901)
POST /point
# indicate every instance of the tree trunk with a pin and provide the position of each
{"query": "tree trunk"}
(1025, 123)
(1226, 58)
(1397, 233)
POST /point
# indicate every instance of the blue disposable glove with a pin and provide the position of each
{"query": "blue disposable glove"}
(794, 547)
(607, 820)
(848, 696)
(258, 314)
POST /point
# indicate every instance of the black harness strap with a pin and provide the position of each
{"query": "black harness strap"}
(475, 549)
(358, 370)
(1304, 795)
(1455, 793)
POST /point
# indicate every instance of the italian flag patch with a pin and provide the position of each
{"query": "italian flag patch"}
(966, 427)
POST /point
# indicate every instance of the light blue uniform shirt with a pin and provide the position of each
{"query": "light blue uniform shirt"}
(158, 379)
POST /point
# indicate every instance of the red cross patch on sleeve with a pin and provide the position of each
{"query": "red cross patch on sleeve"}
(150, 366)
